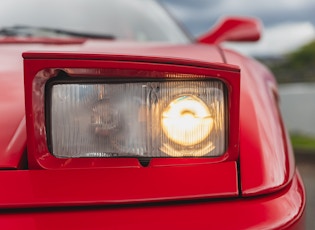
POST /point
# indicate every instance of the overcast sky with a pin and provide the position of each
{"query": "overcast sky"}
(288, 23)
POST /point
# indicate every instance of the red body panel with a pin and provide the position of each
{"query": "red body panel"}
(266, 157)
(12, 122)
(12, 103)
(280, 210)
(51, 188)
(260, 180)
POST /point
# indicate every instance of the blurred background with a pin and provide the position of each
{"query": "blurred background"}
(288, 49)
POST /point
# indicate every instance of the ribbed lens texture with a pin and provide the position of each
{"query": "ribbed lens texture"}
(147, 119)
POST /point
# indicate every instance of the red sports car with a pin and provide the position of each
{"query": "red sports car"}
(113, 117)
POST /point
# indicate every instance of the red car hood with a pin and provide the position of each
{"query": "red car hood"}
(12, 123)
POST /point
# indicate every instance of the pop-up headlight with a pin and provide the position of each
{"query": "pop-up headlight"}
(137, 119)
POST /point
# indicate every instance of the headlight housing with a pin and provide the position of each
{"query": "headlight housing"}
(110, 118)
(110, 111)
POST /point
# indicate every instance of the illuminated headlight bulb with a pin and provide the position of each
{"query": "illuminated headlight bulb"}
(187, 120)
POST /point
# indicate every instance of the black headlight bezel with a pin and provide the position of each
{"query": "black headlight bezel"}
(62, 78)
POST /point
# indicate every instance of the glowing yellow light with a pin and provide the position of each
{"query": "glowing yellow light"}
(187, 120)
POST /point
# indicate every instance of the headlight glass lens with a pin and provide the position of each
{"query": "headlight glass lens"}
(142, 119)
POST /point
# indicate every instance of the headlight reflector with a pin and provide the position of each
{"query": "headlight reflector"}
(139, 119)
(187, 120)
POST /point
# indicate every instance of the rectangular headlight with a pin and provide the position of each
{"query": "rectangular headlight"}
(138, 119)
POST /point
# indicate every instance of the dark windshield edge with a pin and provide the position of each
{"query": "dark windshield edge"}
(137, 20)
(189, 35)
(33, 30)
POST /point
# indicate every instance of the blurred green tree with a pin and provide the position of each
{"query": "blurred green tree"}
(298, 66)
